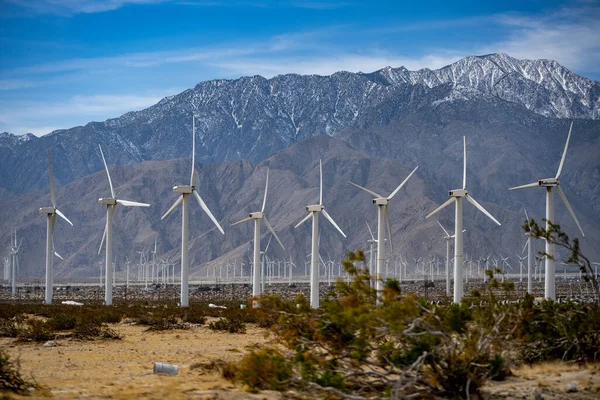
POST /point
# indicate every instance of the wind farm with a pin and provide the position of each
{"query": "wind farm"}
(251, 293)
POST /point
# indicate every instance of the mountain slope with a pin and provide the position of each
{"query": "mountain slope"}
(253, 117)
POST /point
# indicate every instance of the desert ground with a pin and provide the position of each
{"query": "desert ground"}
(123, 369)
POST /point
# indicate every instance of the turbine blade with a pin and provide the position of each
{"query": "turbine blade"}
(326, 214)
(193, 149)
(59, 256)
(402, 184)
(207, 211)
(446, 203)
(102, 241)
(533, 184)
(562, 160)
(526, 216)
(173, 207)
(524, 247)
(241, 221)
(321, 183)
(370, 231)
(268, 244)
(304, 220)
(52, 195)
(63, 216)
(480, 208)
(266, 189)
(273, 232)
(365, 189)
(465, 162)
(112, 191)
(564, 199)
(441, 226)
(389, 227)
(128, 203)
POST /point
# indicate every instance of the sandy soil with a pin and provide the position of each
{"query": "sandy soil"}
(122, 369)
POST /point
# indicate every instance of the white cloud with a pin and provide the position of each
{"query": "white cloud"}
(570, 36)
(43, 117)
(72, 7)
(329, 64)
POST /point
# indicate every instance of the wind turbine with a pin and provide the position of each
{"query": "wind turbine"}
(14, 253)
(51, 213)
(371, 242)
(184, 192)
(447, 238)
(111, 204)
(529, 258)
(258, 217)
(383, 218)
(549, 183)
(313, 211)
(456, 196)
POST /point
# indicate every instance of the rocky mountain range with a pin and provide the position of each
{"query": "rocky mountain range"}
(372, 129)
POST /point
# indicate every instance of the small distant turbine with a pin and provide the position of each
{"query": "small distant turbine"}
(111, 204)
(456, 196)
(258, 217)
(313, 211)
(383, 219)
(549, 183)
(51, 213)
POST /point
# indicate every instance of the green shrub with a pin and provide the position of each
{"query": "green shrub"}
(62, 322)
(264, 369)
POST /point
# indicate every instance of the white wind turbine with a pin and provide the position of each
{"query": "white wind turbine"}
(383, 218)
(313, 211)
(447, 238)
(371, 242)
(51, 213)
(456, 196)
(111, 204)
(258, 217)
(529, 258)
(14, 255)
(549, 183)
(185, 192)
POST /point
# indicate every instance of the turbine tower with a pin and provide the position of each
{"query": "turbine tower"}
(529, 258)
(383, 219)
(549, 183)
(184, 192)
(258, 217)
(111, 204)
(447, 238)
(313, 211)
(456, 196)
(51, 213)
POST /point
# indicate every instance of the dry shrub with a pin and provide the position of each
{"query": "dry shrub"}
(10, 376)
(228, 324)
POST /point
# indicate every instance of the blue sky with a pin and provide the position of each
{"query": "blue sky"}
(68, 62)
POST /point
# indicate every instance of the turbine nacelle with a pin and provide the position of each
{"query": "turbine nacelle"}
(550, 182)
(381, 201)
(457, 193)
(48, 210)
(109, 201)
(183, 189)
(256, 215)
(315, 208)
